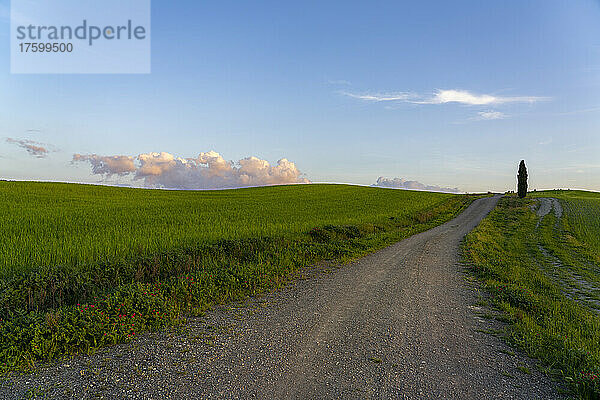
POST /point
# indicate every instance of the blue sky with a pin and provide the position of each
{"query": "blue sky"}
(446, 93)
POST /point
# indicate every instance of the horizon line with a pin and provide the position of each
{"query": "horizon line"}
(283, 184)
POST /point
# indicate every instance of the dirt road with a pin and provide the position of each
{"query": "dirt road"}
(400, 323)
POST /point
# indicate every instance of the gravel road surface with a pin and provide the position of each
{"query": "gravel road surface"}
(401, 323)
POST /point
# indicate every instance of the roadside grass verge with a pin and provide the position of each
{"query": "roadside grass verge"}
(504, 253)
(58, 309)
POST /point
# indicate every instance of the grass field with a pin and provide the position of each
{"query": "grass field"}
(545, 275)
(85, 266)
(48, 224)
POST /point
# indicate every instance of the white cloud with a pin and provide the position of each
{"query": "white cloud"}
(447, 96)
(380, 97)
(399, 183)
(208, 171)
(107, 165)
(36, 149)
(490, 115)
(465, 97)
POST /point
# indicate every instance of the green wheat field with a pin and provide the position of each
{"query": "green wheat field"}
(45, 224)
(85, 266)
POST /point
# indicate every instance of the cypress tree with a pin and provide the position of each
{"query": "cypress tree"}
(522, 180)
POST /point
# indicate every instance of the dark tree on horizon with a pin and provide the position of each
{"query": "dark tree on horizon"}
(522, 180)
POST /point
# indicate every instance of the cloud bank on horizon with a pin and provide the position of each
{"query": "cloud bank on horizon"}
(208, 171)
(399, 183)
